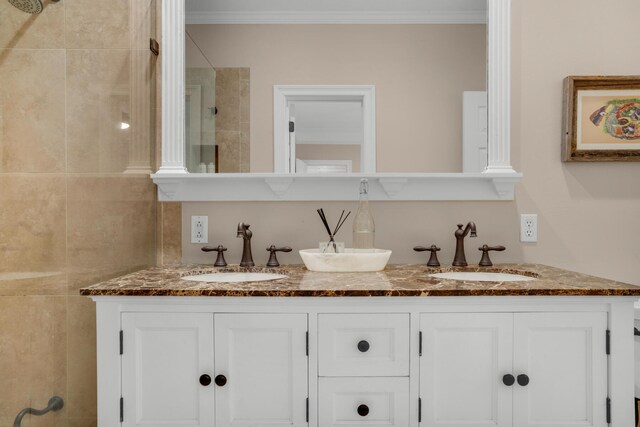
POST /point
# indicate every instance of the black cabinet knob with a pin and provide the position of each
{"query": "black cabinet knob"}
(363, 410)
(205, 380)
(523, 380)
(220, 380)
(508, 380)
(363, 346)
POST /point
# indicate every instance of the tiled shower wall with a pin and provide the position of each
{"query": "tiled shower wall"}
(232, 121)
(76, 202)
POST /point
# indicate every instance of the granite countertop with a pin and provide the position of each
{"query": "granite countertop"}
(395, 280)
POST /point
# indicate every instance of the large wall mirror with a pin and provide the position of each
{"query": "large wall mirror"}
(296, 100)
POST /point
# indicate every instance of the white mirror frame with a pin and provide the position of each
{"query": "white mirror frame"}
(497, 182)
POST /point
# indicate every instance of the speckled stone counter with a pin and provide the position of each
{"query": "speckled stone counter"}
(395, 280)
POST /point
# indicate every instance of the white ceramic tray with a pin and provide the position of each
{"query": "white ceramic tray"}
(352, 260)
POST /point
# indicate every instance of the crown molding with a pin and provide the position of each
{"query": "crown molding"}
(337, 17)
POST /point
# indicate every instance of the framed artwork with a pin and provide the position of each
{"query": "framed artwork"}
(601, 119)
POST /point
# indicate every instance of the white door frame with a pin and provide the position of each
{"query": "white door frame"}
(282, 94)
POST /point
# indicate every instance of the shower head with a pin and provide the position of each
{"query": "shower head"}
(29, 6)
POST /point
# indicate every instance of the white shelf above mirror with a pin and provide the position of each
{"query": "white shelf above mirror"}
(497, 182)
(326, 187)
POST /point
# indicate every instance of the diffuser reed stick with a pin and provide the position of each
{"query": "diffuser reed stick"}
(331, 234)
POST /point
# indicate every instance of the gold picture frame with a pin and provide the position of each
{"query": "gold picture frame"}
(601, 119)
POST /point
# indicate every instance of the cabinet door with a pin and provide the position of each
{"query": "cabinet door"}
(164, 355)
(464, 357)
(563, 355)
(263, 357)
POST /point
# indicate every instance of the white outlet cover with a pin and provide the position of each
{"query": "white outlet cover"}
(199, 229)
(528, 228)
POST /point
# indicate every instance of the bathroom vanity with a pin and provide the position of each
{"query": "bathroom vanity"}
(394, 348)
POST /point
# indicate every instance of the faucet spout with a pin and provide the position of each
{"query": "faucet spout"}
(460, 260)
(246, 234)
(242, 230)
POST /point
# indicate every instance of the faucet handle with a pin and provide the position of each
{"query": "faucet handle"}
(220, 261)
(485, 261)
(273, 260)
(433, 259)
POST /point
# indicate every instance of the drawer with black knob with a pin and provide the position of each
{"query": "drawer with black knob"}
(363, 401)
(363, 345)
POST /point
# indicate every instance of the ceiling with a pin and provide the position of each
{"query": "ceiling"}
(334, 11)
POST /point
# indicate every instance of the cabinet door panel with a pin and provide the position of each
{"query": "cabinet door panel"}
(264, 359)
(464, 357)
(164, 356)
(563, 354)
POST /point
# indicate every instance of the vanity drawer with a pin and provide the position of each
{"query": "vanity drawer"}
(363, 401)
(354, 345)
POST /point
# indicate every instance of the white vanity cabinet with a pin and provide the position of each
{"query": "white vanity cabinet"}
(187, 369)
(520, 369)
(365, 361)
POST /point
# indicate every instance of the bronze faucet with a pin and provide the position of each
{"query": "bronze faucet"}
(246, 234)
(460, 260)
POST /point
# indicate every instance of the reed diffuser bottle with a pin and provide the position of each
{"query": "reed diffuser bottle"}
(363, 226)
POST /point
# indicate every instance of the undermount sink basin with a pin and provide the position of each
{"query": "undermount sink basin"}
(481, 276)
(234, 277)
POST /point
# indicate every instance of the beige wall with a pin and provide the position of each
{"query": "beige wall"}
(67, 210)
(587, 213)
(419, 71)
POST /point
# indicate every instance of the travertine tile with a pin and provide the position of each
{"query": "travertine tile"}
(245, 99)
(228, 150)
(82, 422)
(228, 99)
(32, 234)
(98, 100)
(205, 79)
(33, 345)
(245, 148)
(143, 24)
(171, 233)
(113, 225)
(23, 30)
(32, 110)
(81, 358)
(94, 24)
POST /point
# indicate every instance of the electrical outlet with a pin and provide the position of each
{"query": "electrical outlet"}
(199, 229)
(529, 228)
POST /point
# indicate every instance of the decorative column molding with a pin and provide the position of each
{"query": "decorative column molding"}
(499, 85)
(173, 114)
